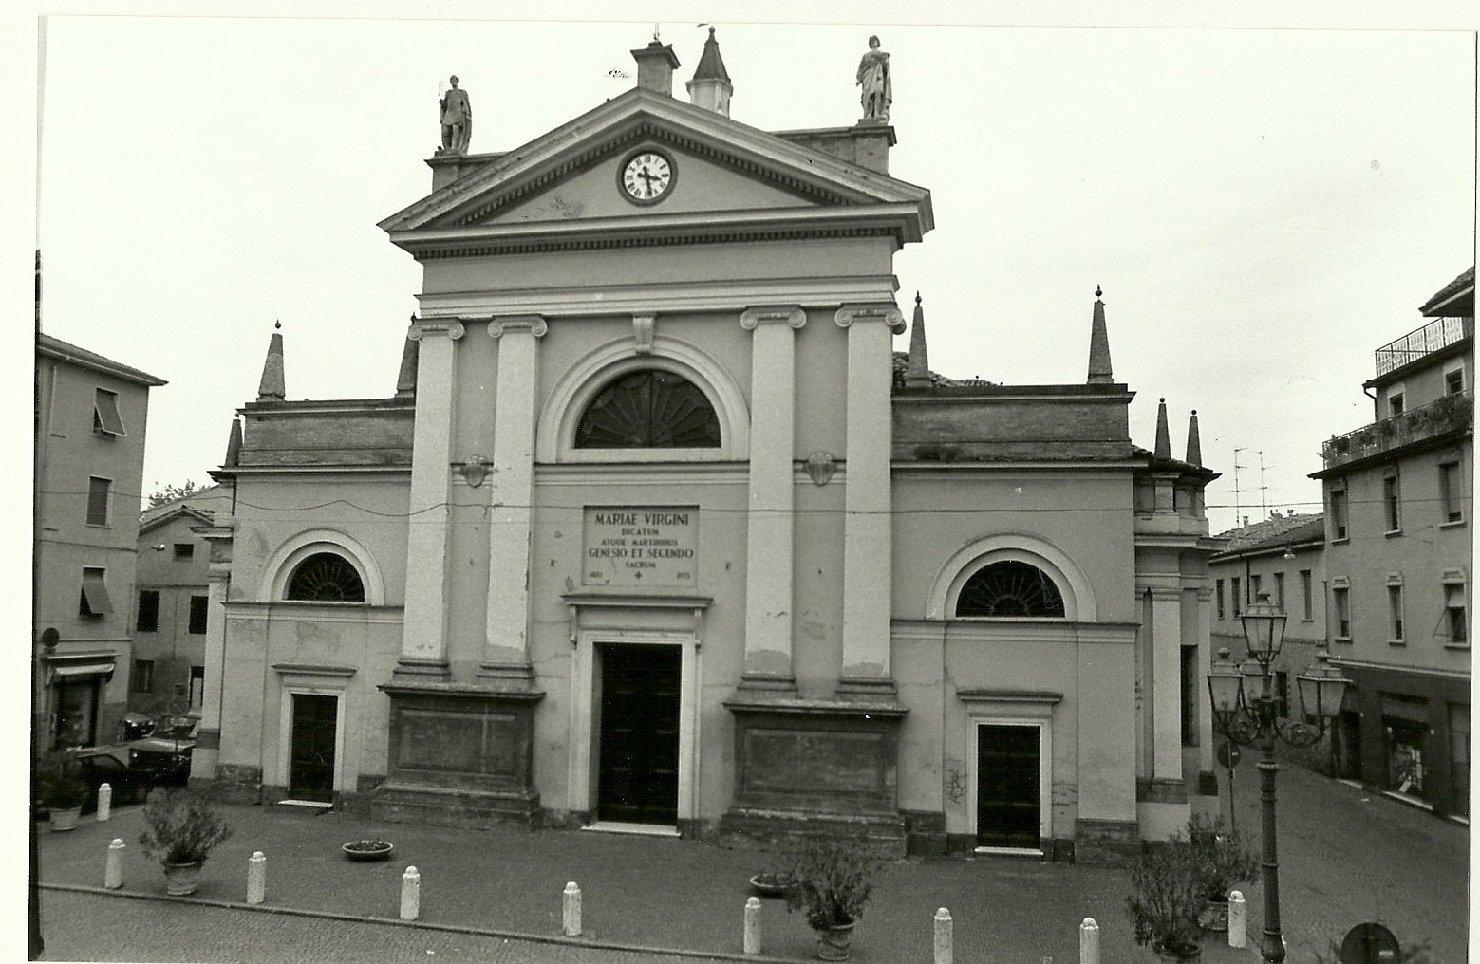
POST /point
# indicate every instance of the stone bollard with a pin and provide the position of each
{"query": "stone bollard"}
(410, 894)
(257, 877)
(570, 905)
(752, 940)
(944, 938)
(113, 869)
(1089, 941)
(1238, 920)
(105, 801)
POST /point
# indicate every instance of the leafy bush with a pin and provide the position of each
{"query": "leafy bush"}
(181, 826)
(1169, 891)
(59, 781)
(1222, 856)
(833, 882)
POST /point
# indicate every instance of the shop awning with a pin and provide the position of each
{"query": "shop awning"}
(74, 665)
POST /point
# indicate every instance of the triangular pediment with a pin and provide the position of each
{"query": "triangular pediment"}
(723, 170)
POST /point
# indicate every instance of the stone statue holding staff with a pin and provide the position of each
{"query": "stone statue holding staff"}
(457, 120)
(873, 77)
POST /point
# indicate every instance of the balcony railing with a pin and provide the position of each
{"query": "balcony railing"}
(1437, 334)
(1451, 413)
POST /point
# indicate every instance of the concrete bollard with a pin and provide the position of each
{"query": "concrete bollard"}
(105, 801)
(1238, 920)
(113, 869)
(570, 907)
(752, 941)
(944, 938)
(1089, 941)
(257, 877)
(410, 894)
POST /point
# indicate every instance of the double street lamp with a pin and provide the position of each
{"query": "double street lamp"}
(1247, 711)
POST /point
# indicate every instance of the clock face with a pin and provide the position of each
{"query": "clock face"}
(646, 177)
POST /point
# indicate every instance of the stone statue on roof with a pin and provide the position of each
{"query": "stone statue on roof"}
(873, 77)
(457, 120)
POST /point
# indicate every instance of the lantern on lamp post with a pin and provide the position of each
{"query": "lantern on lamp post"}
(1247, 711)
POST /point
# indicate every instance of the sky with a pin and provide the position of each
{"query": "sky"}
(1263, 208)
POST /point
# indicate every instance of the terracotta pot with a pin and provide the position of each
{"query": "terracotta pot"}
(836, 942)
(64, 818)
(378, 853)
(769, 885)
(181, 880)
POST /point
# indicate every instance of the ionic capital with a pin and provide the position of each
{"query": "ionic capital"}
(422, 328)
(513, 324)
(751, 318)
(847, 315)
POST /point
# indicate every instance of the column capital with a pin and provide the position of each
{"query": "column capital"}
(510, 324)
(889, 314)
(1165, 593)
(450, 327)
(752, 318)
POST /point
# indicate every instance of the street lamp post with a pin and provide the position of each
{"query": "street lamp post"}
(1247, 711)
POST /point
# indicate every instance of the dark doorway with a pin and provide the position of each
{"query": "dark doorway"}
(1007, 797)
(311, 758)
(77, 712)
(639, 733)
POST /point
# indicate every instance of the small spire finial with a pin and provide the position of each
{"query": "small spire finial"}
(1194, 441)
(917, 297)
(277, 324)
(1163, 448)
(1098, 292)
(917, 365)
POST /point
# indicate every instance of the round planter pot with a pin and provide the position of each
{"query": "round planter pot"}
(835, 943)
(64, 818)
(376, 853)
(771, 887)
(181, 880)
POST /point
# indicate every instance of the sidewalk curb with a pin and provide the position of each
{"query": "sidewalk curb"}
(425, 925)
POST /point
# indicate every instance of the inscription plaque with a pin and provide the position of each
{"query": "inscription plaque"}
(640, 546)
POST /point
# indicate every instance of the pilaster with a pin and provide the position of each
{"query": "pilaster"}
(208, 737)
(866, 526)
(511, 491)
(424, 636)
(770, 526)
(1166, 683)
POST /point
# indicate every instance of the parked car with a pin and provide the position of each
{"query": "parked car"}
(164, 754)
(129, 785)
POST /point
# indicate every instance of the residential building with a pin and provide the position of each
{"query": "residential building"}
(657, 533)
(90, 417)
(170, 604)
(1282, 557)
(1398, 506)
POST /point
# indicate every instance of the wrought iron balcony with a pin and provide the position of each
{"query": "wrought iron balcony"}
(1437, 334)
(1452, 413)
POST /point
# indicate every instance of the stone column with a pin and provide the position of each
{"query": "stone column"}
(867, 587)
(1166, 683)
(424, 630)
(208, 737)
(511, 491)
(769, 546)
(1205, 748)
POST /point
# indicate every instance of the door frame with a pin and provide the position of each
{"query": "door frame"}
(285, 727)
(585, 712)
(1044, 726)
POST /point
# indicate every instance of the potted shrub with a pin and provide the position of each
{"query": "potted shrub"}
(1224, 862)
(776, 882)
(832, 884)
(181, 828)
(1167, 899)
(61, 788)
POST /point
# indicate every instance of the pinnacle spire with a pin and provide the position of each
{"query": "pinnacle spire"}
(711, 88)
(1194, 441)
(1100, 371)
(1163, 433)
(917, 371)
(272, 385)
(234, 443)
(406, 378)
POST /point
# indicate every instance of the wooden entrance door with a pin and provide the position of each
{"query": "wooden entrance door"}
(1008, 808)
(311, 756)
(638, 772)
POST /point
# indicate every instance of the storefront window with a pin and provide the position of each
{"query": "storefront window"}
(1459, 750)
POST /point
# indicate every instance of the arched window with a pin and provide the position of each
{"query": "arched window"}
(1010, 589)
(649, 409)
(326, 577)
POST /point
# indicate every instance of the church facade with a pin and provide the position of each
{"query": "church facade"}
(658, 534)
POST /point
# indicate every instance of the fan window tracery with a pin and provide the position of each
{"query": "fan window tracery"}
(649, 409)
(326, 577)
(1010, 589)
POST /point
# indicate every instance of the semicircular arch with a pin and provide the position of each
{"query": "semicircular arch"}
(1071, 581)
(298, 548)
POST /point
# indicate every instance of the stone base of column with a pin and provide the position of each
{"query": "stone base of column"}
(1112, 842)
(865, 688)
(761, 682)
(507, 677)
(422, 670)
